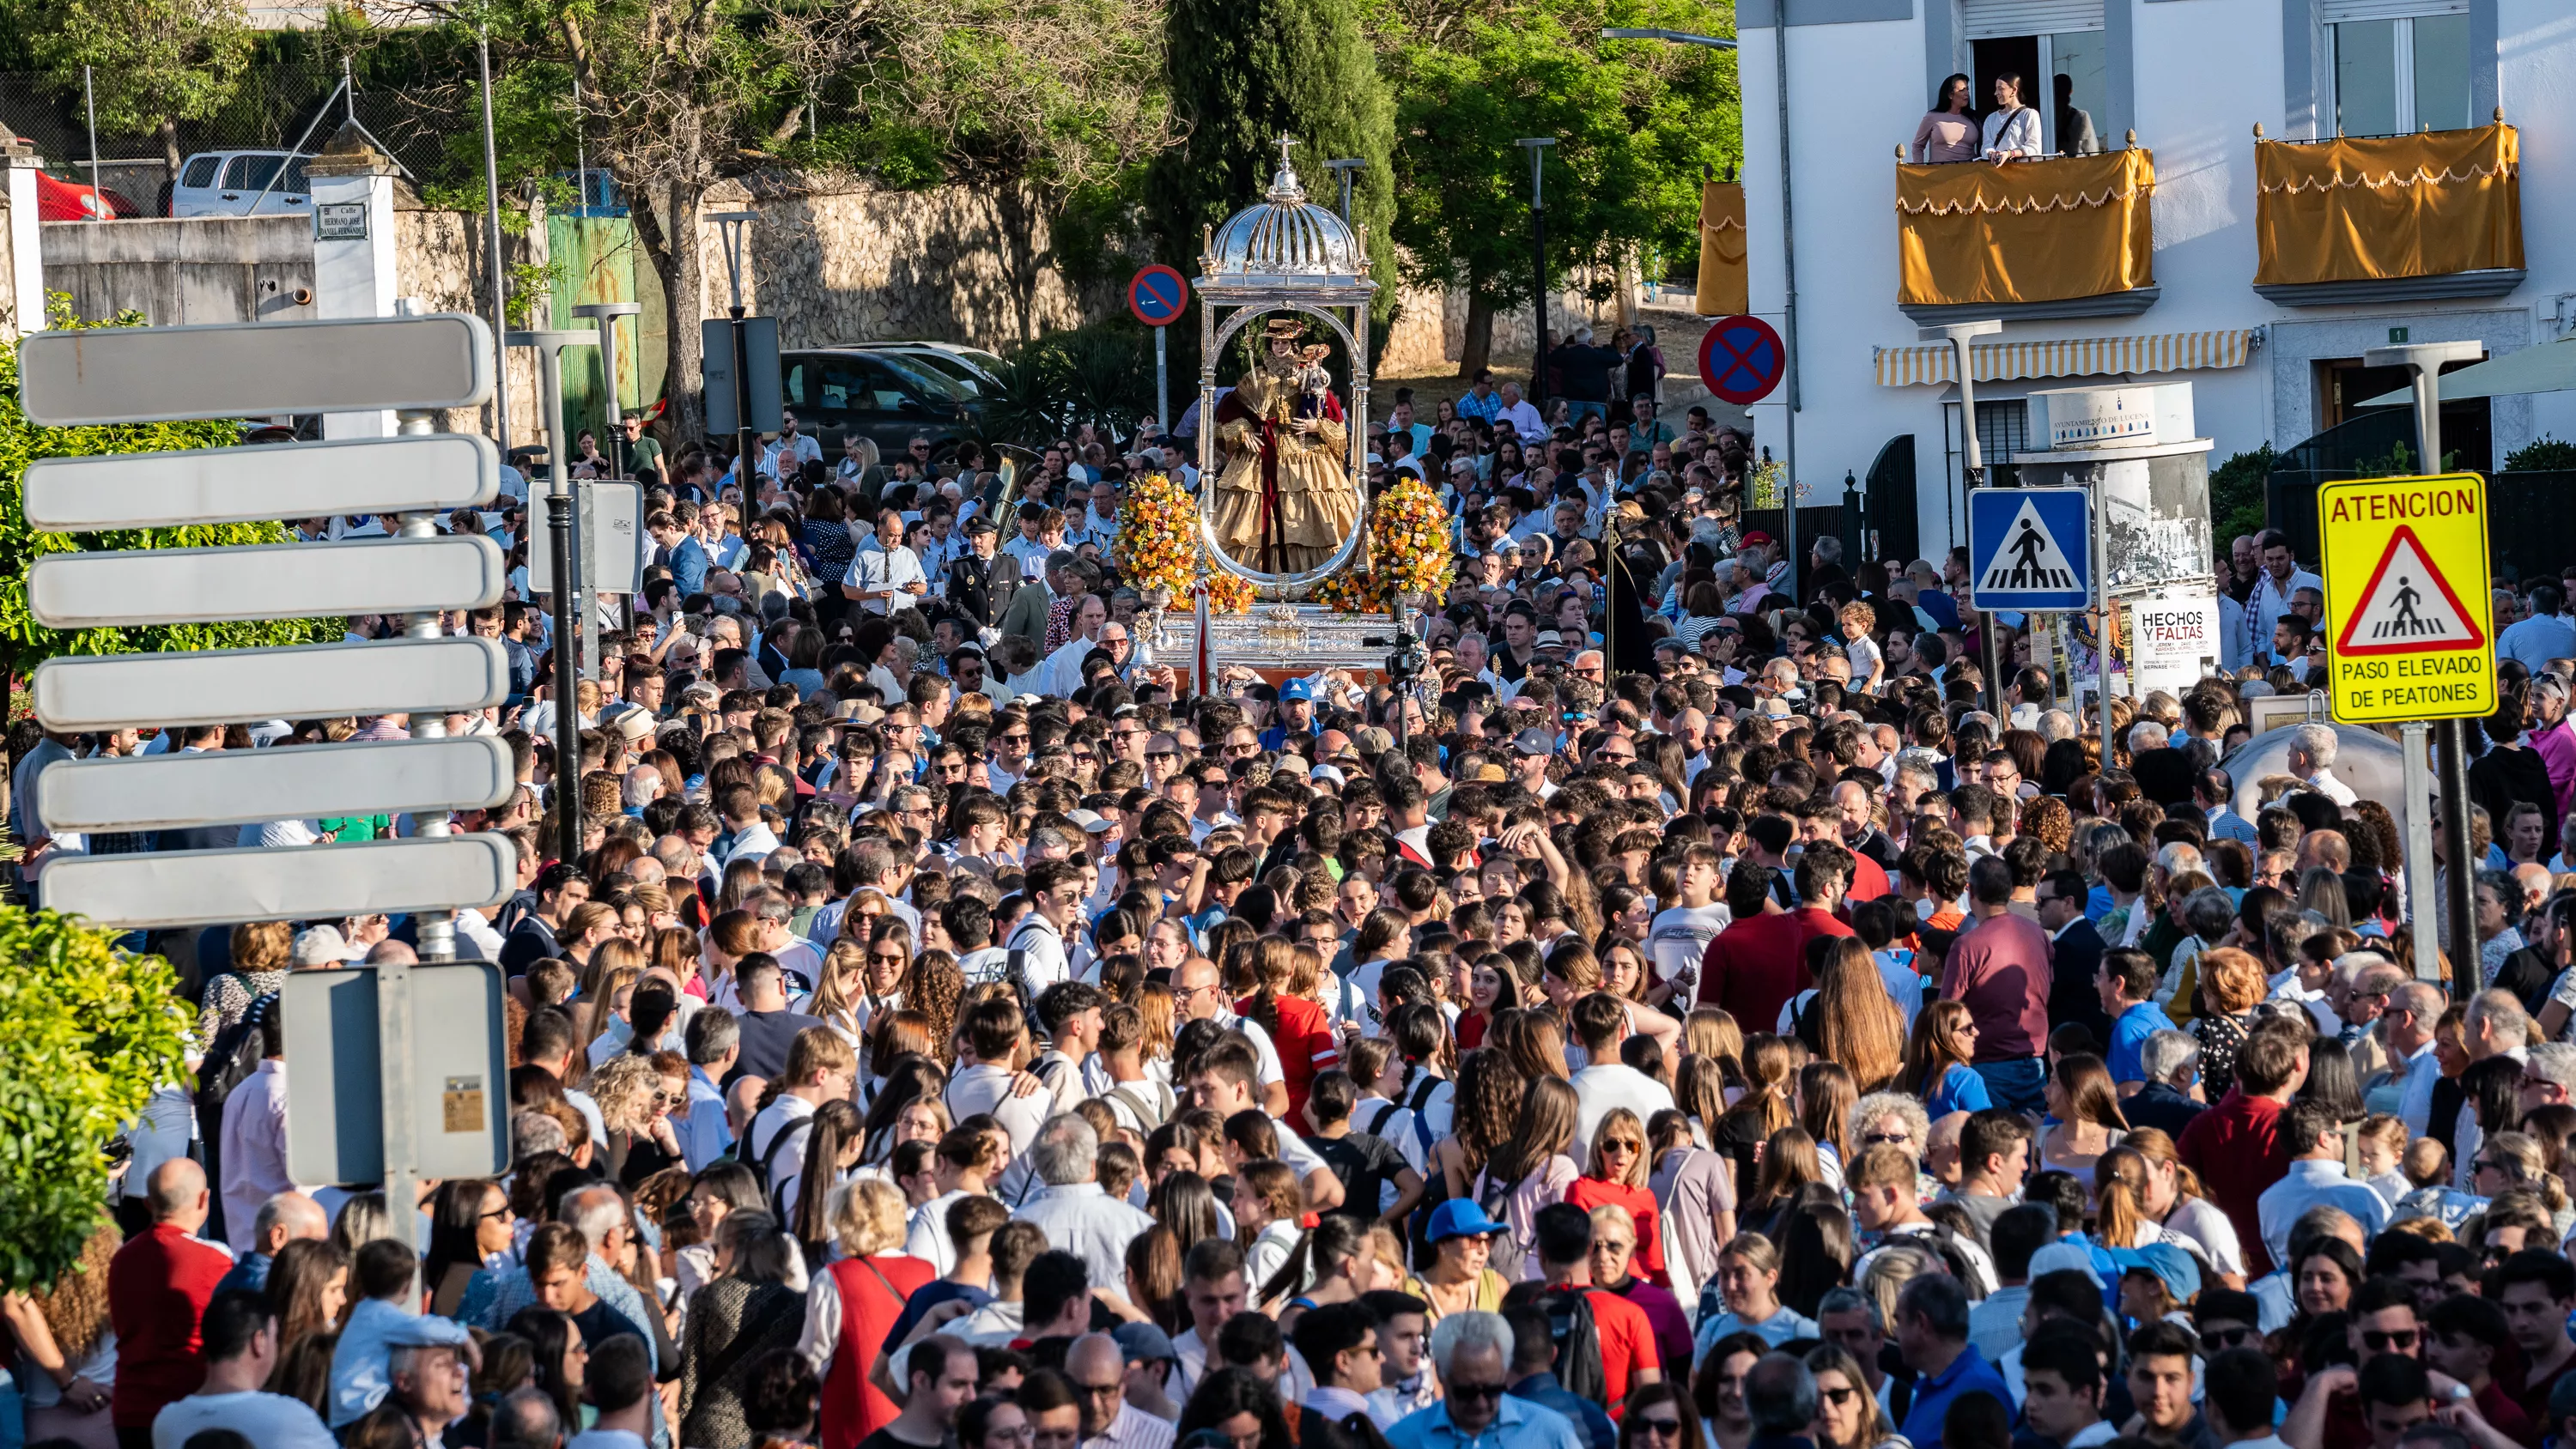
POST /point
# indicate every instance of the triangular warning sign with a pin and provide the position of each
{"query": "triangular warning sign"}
(2029, 559)
(2408, 607)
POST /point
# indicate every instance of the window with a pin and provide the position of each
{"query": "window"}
(201, 172)
(2055, 46)
(2399, 74)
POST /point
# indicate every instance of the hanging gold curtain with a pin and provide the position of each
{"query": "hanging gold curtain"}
(1723, 288)
(2030, 231)
(2352, 210)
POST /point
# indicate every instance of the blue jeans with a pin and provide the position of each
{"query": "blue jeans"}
(1576, 412)
(2018, 1085)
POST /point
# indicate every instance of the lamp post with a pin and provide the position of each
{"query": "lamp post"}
(492, 227)
(1343, 169)
(1537, 148)
(604, 315)
(746, 439)
(2423, 362)
(1973, 470)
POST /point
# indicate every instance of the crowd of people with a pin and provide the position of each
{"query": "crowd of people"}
(1707, 1012)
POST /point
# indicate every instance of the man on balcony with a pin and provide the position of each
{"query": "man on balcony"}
(2274, 590)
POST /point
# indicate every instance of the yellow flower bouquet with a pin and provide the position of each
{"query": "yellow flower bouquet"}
(1158, 545)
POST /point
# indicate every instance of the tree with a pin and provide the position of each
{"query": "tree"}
(1244, 72)
(23, 641)
(1638, 126)
(153, 63)
(93, 1033)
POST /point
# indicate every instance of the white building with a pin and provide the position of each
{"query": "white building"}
(2192, 79)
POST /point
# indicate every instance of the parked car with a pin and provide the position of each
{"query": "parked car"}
(232, 183)
(58, 200)
(978, 369)
(884, 395)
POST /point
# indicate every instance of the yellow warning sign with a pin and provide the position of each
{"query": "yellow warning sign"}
(2408, 632)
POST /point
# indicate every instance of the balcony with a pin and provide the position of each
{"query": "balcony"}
(2435, 215)
(2064, 236)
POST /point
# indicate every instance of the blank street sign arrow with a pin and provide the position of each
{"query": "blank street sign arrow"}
(234, 787)
(217, 887)
(438, 471)
(283, 581)
(221, 686)
(254, 369)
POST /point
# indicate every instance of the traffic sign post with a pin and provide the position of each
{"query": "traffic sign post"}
(2026, 549)
(412, 365)
(571, 623)
(1158, 296)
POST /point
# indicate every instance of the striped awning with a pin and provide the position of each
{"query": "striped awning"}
(2071, 357)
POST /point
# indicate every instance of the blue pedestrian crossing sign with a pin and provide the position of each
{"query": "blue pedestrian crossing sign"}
(2030, 548)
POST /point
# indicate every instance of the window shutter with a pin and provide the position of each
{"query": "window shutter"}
(1987, 19)
(2336, 12)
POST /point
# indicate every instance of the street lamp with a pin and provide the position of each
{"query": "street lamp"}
(745, 439)
(1537, 148)
(1343, 168)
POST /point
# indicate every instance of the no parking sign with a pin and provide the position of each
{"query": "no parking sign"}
(1742, 359)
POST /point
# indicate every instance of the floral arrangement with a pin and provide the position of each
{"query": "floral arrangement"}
(1158, 544)
(1408, 551)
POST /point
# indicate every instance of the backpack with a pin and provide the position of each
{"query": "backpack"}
(1495, 1197)
(1578, 1343)
(1149, 1113)
(230, 1060)
(1421, 1120)
(782, 1211)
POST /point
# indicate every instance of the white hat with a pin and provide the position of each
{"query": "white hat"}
(319, 946)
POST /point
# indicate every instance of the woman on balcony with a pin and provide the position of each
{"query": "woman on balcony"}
(1948, 132)
(2012, 128)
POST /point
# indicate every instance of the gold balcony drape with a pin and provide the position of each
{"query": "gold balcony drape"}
(2353, 210)
(2030, 231)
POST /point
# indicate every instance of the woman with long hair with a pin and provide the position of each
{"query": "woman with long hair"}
(1853, 1019)
(1788, 1165)
(308, 1288)
(1299, 1028)
(1334, 1261)
(562, 1358)
(1495, 988)
(747, 1311)
(1947, 132)
(1770, 1067)
(2089, 1121)
(1695, 1201)
(469, 1229)
(1489, 1101)
(636, 1098)
(1241, 1409)
(1816, 1249)
(1748, 1281)
(1426, 1100)
(1267, 1208)
(1661, 1416)
(1531, 1170)
(1535, 1043)
(1154, 1278)
(2174, 1201)
(1616, 1174)
(66, 1360)
(1825, 1101)
(911, 1107)
(1936, 1062)
(1185, 1201)
(831, 1150)
(1711, 1032)
(2491, 1090)
(2122, 1178)
(840, 989)
(934, 987)
(1848, 1415)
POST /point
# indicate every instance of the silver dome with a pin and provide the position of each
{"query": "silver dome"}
(1285, 239)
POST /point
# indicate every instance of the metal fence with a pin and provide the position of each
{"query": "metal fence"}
(272, 107)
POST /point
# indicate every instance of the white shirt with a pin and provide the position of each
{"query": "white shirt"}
(1042, 957)
(875, 569)
(926, 1232)
(1608, 1084)
(983, 1088)
(789, 1118)
(1062, 670)
(272, 1421)
(1525, 419)
(1088, 1223)
(1133, 1428)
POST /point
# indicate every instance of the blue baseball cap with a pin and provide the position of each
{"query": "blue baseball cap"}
(1297, 689)
(2172, 1264)
(1460, 1217)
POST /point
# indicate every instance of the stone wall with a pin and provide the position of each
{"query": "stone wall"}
(179, 273)
(836, 258)
(1431, 329)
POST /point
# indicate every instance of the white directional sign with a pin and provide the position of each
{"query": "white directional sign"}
(306, 782)
(611, 533)
(254, 369)
(347, 476)
(333, 681)
(216, 887)
(335, 1108)
(282, 581)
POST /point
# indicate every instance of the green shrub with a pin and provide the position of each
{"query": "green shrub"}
(2236, 495)
(2543, 454)
(93, 1032)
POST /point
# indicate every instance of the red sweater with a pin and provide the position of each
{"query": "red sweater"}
(2236, 1148)
(158, 1286)
(1756, 965)
(1306, 1047)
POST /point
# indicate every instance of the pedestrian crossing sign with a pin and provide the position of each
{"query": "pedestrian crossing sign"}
(2029, 548)
(2408, 631)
